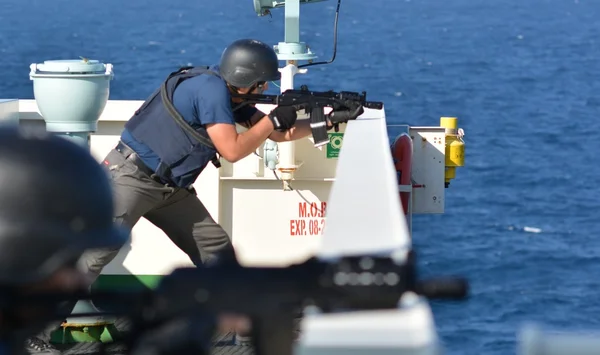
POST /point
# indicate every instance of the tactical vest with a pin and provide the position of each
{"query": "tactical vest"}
(181, 147)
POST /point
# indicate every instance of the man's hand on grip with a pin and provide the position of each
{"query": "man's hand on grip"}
(283, 117)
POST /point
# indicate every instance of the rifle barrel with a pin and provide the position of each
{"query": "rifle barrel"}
(374, 105)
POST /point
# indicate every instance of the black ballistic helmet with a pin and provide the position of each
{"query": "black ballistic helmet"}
(55, 202)
(246, 62)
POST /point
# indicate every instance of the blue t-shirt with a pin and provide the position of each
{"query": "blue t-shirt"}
(200, 100)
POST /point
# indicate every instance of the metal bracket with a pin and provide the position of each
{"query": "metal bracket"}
(262, 7)
(271, 154)
(291, 48)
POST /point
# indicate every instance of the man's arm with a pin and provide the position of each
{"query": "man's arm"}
(233, 146)
(300, 130)
(214, 112)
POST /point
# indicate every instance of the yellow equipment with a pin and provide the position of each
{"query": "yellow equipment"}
(455, 147)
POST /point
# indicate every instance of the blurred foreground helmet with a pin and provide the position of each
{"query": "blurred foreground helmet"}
(55, 202)
(246, 62)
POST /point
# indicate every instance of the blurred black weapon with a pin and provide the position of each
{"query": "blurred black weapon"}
(180, 314)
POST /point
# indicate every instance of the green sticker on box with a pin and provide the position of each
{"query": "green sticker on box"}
(334, 145)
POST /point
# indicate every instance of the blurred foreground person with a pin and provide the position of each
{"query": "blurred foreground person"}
(55, 203)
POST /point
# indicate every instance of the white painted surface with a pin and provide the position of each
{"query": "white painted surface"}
(364, 214)
(287, 156)
(533, 340)
(428, 167)
(9, 111)
(406, 330)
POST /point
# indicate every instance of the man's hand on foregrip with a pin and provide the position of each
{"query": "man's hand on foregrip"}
(283, 117)
(337, 117)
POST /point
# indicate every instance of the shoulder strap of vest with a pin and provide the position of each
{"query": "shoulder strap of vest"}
(202, 137)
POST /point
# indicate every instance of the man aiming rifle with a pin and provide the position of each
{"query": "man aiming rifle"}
(187, 123)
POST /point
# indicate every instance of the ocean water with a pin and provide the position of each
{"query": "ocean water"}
(523, 77)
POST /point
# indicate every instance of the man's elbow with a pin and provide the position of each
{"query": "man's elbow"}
(277, 137)
(231, 156)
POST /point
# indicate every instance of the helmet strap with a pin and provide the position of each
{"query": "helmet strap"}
(235, 92)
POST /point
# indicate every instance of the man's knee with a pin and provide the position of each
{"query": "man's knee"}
(213, 243)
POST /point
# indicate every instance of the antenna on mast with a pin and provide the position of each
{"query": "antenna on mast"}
(292, 49)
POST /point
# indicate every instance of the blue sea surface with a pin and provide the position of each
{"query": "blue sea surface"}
(523, 77)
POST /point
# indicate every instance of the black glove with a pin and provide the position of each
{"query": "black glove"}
(341, 116)
(283, 117)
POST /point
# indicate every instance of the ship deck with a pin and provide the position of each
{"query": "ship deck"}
(223, 344)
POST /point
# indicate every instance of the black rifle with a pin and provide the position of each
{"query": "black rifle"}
(348, 105)
(186, 302)
(272, 296)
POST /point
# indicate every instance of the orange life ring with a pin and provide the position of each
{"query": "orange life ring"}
(402, 150)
